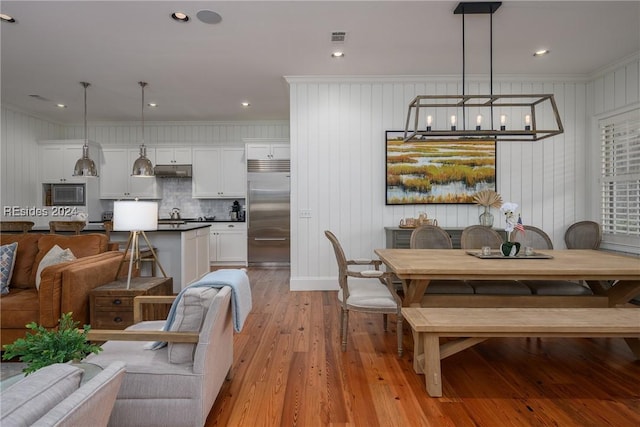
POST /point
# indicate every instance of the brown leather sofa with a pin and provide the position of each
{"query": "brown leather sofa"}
(64, 287)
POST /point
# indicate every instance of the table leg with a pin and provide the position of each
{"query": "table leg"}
(415, 292)
(431, 366)
(623, 291)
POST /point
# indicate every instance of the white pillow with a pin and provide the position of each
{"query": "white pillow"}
(56, 255)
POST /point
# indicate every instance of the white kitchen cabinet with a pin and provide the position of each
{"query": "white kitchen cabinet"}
(228, 243)
(173, 155)
(268, 151)
(116, 180)
(219, 172)
(57, 160)
(195, 255)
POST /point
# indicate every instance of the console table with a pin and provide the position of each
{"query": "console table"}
(399, 238)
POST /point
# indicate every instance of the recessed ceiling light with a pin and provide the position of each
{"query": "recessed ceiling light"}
(61, 106)
(152, 104)
(337, 54)
(246, 104)
(541, 52)
(7, 18)
(180, 16)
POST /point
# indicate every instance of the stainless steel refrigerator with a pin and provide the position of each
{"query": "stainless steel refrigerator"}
(268, 191)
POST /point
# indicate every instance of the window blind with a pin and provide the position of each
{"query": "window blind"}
(620, 178)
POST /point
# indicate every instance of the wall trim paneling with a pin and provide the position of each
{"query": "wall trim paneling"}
(337, 146)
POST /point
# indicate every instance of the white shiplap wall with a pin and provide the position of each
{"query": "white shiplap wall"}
(338, 163)
(19, 157)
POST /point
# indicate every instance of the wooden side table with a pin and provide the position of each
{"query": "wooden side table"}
(111, 305)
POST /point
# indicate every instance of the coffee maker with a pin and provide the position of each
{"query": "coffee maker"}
(235, 211)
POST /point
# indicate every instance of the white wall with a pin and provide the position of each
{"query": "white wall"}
(19, 157)
(338, 164)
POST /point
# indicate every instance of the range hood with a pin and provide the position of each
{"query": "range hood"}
(172, 171)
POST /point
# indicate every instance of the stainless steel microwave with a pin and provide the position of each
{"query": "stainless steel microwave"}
(66, 194)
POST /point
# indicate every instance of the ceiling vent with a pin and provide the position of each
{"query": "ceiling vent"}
(338, 36)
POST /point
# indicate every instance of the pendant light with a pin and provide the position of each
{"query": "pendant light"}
(85, 166)
(142, 167)
(529, 112)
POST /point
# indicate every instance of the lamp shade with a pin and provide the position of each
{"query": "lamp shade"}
(135, 216)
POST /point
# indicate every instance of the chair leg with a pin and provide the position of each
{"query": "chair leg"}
(399, 331)
(384, 322)
(345, 326)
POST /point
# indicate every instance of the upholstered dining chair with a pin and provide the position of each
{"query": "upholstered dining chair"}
(75, 226)
(538, 239)
(434, 237)
(16, 226)
(375, 295)
(583, 235)
(477, 236)
(532, 237)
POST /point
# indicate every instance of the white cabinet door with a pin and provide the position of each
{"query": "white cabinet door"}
(268, 151)
(57, 162)
(116, 181)
(233, 172)
(219, 173)
(228, 243)
(206, 173)
(173, 155)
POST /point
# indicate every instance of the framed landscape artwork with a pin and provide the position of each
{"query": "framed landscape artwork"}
(431, 171)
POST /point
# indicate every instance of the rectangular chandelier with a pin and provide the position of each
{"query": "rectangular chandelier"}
(501, 117)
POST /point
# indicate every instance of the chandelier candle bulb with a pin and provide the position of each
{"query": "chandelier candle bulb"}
(479, 122)
(453, 122)
(503, 122)
(527, 122)
(429, 121)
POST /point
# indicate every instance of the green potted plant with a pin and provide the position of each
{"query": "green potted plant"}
(43, 347)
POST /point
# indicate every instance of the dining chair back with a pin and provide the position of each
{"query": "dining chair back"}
(532, 237)
(477, 236)
(75, 226)
(369, 291)
(16, 226)
(430, 237)
(583, 235)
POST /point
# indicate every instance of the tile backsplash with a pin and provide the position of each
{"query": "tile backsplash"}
(176, 193)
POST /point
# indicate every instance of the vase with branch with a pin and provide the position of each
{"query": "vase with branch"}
(487, 199)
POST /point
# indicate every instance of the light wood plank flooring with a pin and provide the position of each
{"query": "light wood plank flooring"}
(289, 371)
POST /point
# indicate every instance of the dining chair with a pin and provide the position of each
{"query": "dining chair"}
(361, 295)
(532, 237)
(75, 226)
(477, 236)
(434, 237)
(16, 226)
(583, 235)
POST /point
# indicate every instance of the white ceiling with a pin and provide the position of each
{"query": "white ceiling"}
(199, 71)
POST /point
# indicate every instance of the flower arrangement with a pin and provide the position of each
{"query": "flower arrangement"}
(512, 223)
(488, 199)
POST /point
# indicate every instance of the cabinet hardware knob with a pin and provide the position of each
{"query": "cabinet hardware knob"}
(117, 302)
(117, 319)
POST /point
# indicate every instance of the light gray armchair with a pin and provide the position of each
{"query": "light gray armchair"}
(178, 384)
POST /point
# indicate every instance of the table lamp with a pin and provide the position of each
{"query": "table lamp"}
(135, 217)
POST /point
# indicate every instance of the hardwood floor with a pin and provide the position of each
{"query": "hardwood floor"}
(289, 371)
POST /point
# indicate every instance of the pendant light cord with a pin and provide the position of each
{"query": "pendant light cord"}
(86, 140)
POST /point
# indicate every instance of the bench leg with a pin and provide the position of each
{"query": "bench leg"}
(431, 367)
(418, 352)
(634, 345)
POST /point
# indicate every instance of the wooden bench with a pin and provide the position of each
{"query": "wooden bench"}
(474, 325)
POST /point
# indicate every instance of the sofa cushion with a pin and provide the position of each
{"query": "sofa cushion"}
(24, 270)
(29, 399)
(82, 246)
(7, 262)
(190, 313)
(56, 255)
(18, 308)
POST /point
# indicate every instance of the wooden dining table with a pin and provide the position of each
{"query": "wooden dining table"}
(599, 269)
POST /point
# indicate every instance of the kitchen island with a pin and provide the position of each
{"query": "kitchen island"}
(182, 249)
